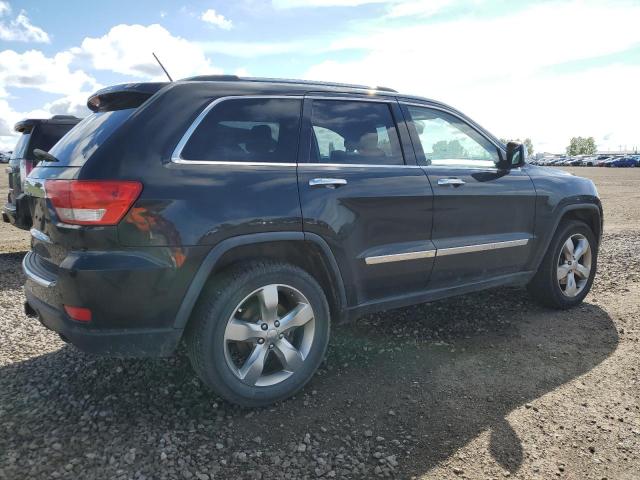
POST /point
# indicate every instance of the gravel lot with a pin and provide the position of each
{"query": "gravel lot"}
(489, 385)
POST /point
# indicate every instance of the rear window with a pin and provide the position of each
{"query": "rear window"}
(21, 147)
(46, 135)
(82, 140)
(261, 130)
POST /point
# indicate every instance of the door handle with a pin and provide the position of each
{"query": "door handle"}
(327, 182)
(456, 182)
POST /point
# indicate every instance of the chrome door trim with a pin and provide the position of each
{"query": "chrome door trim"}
(443, 252)
(482, 247)
(176, 156)
(400, 257)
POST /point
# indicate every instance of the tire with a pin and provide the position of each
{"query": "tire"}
(220, 360)
(546, 286)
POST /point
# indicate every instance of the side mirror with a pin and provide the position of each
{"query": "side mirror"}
(515, 156)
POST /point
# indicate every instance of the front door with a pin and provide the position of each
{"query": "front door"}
(359, 194)
(483, 216)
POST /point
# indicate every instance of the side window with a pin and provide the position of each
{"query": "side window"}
(447, 140)
(354, 132)
(247, 130)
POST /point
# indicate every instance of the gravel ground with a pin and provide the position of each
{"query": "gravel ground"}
(488, 385)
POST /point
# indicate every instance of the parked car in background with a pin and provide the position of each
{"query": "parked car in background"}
(243, 216)
(5, 157)
(622, 162)
(35, 133)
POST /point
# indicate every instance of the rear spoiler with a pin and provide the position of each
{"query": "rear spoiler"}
(119, 97)
(26, 125)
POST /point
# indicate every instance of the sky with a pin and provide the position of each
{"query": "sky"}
(548, 70)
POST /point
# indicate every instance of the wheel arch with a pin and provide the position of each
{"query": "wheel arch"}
(307, 251)
(590, 213)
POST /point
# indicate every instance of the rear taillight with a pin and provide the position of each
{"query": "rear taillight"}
(92, 202)
(25, 168)
(79, 314)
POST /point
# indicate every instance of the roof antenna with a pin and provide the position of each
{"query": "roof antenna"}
(162, 66)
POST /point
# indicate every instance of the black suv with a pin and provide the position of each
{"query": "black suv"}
(243, 215)
(34, 133)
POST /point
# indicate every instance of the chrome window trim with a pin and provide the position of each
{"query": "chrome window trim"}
(222, 162)
(176, 156)
(482, 247)
(354, 99)
(443, 252)
(357, 165)
(400, 257)
(459, 117)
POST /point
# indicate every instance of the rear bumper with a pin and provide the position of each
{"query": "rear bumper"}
(133, 304)
(117, 343)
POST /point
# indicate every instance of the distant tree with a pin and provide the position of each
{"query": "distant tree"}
(582, 146)
(450, 149)
(527, 143)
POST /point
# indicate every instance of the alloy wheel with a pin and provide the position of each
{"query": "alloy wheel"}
(269, 335)
(574, 265)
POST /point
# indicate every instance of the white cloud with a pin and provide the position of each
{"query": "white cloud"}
(75, 104)
(19, 29)
(127, 49)
(494, 69)
(214, 18)
(396, 8)
(419, 8)
(323, 3)
(255, 49)
(32, 69)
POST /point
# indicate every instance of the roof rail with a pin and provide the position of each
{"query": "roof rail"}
(228, 78)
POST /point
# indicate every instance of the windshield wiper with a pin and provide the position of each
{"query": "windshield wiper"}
(44, 156)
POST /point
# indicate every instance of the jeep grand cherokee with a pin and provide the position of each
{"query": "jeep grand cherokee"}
(244, 215)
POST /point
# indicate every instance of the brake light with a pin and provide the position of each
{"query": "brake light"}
(92, 202)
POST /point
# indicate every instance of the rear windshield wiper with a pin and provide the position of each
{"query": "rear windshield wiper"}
(44, 156)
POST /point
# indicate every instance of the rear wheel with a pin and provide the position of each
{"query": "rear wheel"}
(566, 272)
(259, 333)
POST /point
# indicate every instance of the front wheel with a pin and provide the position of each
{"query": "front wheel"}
(566, 272)
(259, 333)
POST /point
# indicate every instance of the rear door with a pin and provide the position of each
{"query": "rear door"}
(362, 192)
(483, 216)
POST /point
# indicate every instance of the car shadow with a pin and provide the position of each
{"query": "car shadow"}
(428, 379)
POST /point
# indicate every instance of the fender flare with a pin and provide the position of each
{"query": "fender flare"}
(557, 218)
(216, 253)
